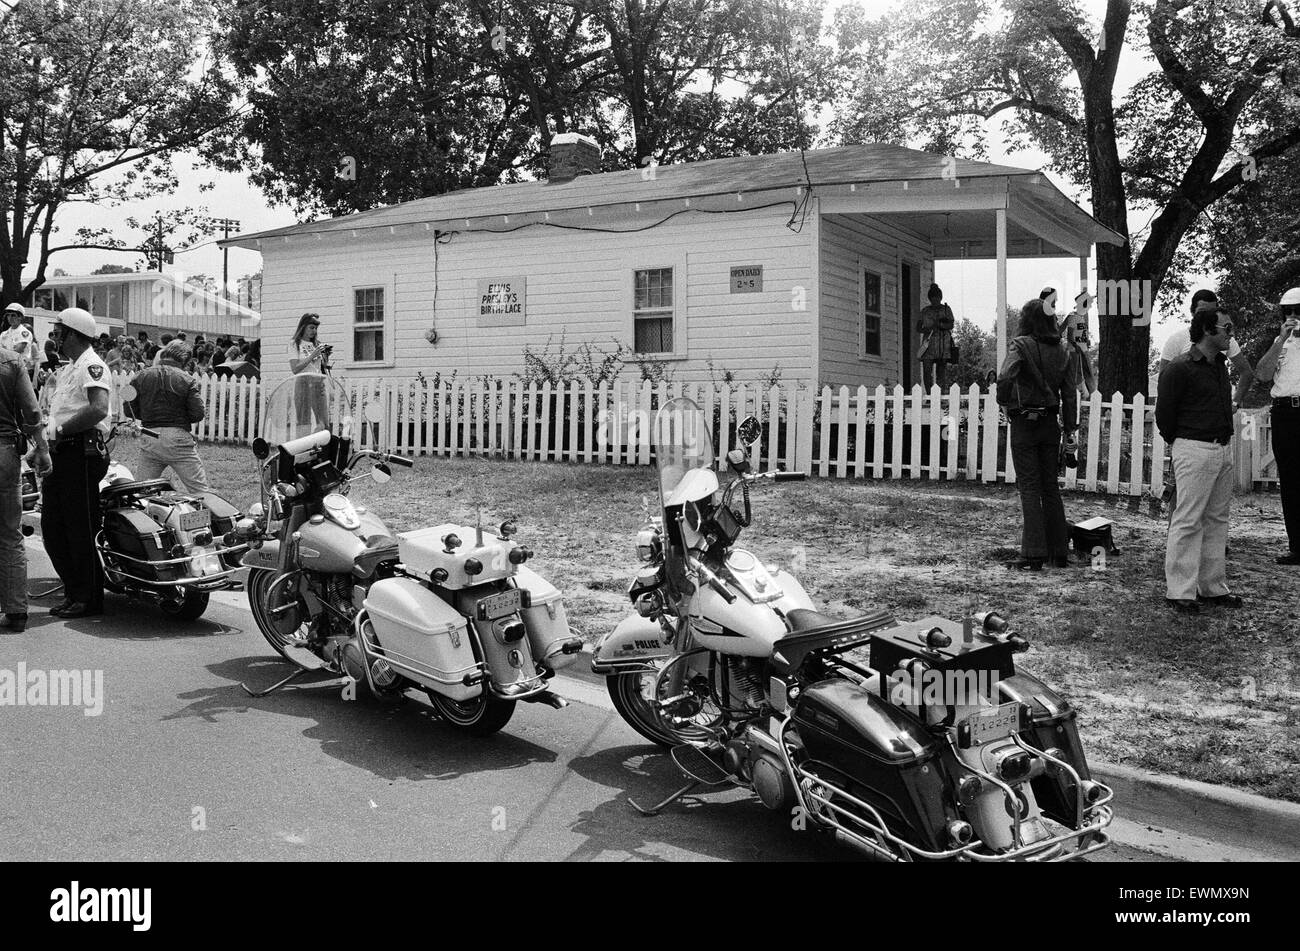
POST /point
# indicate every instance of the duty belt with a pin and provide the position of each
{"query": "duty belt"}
(1286, 401)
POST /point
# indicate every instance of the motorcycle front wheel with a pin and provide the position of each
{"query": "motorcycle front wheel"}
(292, 646)
(480, 716)
(631, 696)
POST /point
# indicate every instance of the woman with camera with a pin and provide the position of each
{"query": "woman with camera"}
(1038, 390)
(309, 360)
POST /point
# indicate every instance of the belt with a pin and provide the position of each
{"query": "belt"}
(1286, 402)
(76, 440)
(1217, 440)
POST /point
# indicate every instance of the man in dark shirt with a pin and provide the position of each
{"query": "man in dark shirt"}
(20, 418)
(167, 401)
(1194, 415)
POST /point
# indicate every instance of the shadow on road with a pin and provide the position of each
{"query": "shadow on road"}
(404, 739)
(725, 823)
(148, 622)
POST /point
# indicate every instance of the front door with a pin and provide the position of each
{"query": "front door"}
(907, 317)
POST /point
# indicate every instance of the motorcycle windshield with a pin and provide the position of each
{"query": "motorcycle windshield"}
(683, 453)
(305, 404)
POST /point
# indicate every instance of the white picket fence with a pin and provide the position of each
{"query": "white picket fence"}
(845, 433)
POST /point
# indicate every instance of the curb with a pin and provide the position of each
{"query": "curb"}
(1267, 828)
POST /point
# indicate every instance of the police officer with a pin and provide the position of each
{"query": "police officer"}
(168, 402)
(1282, 365)
(19, 418)
(70, 517)
(18, 337)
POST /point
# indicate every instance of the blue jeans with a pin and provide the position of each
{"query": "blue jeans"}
(13, 556)
(1036, 454)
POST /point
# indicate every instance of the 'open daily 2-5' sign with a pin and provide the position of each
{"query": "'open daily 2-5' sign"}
(747, 279)
(501, 301)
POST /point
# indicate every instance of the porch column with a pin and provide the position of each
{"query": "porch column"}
(1001, 216)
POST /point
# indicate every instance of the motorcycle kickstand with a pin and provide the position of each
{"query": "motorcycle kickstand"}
(290, 679)
(45, 594)
(656, 809)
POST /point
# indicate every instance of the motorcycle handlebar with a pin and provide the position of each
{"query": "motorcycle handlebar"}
(714, 582)
(400, 461)
(790, 476)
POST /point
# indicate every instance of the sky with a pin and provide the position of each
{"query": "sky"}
(968, 285)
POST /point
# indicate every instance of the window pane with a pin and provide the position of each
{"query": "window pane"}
(117, 301)
(60, 299)
(83, 297)
(367, 345)
(654, 335)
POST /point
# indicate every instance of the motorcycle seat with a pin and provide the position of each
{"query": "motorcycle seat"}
(812, 631)
(142, 487)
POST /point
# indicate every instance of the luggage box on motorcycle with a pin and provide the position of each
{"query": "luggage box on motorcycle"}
(546, 621)
(423, 636)
(987, 662)
(882, 754)
(134, 534)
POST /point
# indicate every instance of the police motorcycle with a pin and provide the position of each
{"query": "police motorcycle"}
(907, 740)
(156, 544)
(449, 610)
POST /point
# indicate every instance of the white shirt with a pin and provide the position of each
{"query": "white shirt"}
(87, 372)
(1286, 378)
(14, 337)
(300, 350)
(1180, 341)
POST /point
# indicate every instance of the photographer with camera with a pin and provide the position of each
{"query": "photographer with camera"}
(1037, 389)
(309, 361)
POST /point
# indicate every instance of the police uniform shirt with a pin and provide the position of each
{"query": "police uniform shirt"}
(14, 337)
(1286, 378)
(87, 372)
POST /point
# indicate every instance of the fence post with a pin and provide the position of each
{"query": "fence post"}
(804, 446)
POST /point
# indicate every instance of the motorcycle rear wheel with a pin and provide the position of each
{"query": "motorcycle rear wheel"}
(189, 607)
(481, 716)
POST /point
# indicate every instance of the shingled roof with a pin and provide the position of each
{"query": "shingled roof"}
(505, 207)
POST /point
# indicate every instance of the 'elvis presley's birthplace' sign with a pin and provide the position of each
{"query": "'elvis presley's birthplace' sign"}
(501, 301)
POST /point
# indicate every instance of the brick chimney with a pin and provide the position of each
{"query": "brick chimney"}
(571, 155)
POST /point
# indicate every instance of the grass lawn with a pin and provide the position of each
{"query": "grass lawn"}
(1214, 698)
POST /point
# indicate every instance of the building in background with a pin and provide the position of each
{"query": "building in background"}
(149, 301)
(814, 263)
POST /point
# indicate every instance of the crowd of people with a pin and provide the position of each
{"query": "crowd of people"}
(1038, 386)
(125, 354)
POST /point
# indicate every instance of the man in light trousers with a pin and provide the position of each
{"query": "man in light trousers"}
(1194, 415)
(167, 401)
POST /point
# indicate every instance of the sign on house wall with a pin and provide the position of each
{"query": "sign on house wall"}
(747, 279)
(502, 302)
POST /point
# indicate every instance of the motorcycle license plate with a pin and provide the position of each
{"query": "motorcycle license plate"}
(499, 605)
(193, 521)
(980, 728)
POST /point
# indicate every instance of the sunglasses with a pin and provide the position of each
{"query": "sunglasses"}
(1291, 310)
(1225, 330)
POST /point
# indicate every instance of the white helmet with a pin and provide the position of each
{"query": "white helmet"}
(1290, 297)
(17, 308)
(74, 318)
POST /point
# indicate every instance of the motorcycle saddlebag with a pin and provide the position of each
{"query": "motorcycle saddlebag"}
(1052, 724)
(134, 534)
(885, 754)
(545, 620)
(416, 629)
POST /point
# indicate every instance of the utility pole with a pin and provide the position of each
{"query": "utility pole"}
(226, 225)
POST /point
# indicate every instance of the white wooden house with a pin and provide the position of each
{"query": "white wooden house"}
(815, 264)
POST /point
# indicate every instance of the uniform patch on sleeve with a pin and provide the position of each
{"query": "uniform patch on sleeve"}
(95, 371)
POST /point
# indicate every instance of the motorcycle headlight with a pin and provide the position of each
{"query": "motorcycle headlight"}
(647, 544)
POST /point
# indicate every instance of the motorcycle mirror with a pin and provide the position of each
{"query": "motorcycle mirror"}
(749, 430)
(126, 393)
(374, 413)
(381, 474)
(261, 448)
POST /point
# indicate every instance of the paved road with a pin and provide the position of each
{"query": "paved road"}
(182, 764)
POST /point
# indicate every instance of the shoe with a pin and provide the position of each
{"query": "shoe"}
(77, 609)
(62, 606)
(1027, 564)
(1184, 605)
(14, 622)
(1223, 600)
(1290, 558)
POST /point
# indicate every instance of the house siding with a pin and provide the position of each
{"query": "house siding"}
(849, 244)
(578, 286)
